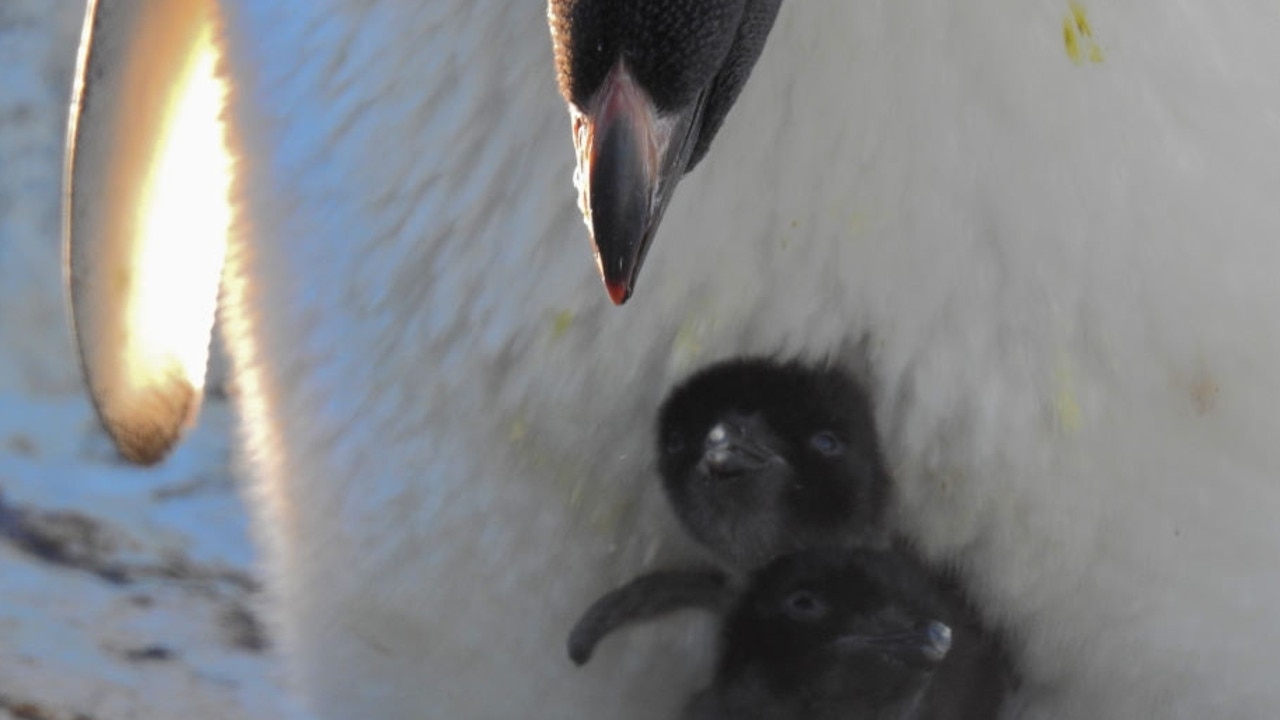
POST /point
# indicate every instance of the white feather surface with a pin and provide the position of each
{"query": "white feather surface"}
(1060, 245)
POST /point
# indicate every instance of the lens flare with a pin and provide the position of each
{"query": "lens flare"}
(184, 225)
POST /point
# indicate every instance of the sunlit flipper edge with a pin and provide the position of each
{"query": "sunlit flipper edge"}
(145, 214)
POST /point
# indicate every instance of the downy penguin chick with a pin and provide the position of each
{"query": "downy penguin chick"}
(760, 458)
(830, 633)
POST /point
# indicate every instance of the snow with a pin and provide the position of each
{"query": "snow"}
(125, 593)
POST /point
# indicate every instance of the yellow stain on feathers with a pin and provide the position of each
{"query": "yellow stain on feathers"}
(1077, 36)
(1204, 393)
(561, 323)
(687, 346)
(1066, 409)
(517, 431)
(1202, 387)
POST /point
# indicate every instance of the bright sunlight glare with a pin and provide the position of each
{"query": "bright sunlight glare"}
(185, 221)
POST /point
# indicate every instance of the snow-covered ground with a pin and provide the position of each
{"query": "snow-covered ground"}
(124, 593)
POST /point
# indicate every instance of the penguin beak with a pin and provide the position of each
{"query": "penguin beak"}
(630, 160)
(738, 445)
(923, 647)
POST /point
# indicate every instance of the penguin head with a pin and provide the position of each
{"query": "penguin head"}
(834, 633)
(648, 84)
(759, 458)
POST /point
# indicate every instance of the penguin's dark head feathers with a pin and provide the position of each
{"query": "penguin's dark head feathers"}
(829, 633)
(649, 84)
(675, 49)
(759, 458)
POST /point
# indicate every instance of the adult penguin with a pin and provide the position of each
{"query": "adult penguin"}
(1044, 227)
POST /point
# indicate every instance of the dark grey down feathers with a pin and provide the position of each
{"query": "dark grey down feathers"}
(776, 469)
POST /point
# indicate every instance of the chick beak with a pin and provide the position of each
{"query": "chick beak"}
(923, 646)
(739, 444)
(630, 159)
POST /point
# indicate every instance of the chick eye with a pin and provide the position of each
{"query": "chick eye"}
(826, 443)
(804, 606)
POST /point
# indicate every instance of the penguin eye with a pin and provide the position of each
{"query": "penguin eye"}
(804, 606)
(826, 443)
